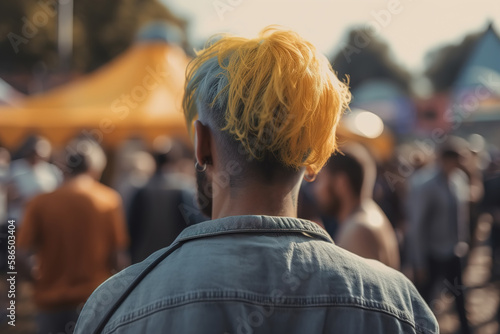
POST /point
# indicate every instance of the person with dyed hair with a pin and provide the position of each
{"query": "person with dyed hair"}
(262, 113)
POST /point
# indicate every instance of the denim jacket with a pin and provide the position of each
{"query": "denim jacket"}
(258, 274)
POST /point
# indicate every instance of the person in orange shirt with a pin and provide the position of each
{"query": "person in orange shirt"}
(78, 236)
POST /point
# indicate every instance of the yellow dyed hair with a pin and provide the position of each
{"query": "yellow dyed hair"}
(275, 94)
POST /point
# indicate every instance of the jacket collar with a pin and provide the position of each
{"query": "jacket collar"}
(253, 224)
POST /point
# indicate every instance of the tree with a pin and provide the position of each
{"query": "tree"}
(365, 56)
(102, 30)
(27, 35)
(107, 28)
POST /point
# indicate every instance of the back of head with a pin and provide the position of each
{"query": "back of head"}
(84, 156)
(357, 164)
(453, 148)
(168, 151)
(452, 152)
(35, 147)
(273, 101)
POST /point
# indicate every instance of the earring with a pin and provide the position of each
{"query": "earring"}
(309, 178)
(199, 168)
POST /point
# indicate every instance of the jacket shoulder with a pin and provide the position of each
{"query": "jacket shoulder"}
(108, 294)
(379, 288)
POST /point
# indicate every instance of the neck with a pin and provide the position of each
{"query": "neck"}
(349, 205)
(86, 176)
(269, 200)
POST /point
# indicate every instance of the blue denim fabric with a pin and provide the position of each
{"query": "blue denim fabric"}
(260, 274)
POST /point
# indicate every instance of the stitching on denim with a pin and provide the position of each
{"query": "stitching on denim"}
(262, 300)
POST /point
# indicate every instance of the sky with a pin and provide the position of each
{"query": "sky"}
(411, 27)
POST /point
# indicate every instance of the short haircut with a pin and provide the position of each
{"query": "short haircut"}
(357, 164)
(453, 148)
(449, 154)
(275, 96)
(170, 150)
(77, 163)
(83, 155)
(34, 146)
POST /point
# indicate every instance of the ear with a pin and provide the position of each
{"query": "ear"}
(202, 146)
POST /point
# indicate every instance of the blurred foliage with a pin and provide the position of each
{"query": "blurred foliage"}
(443, 65)
(19, 49)
(365, 57)
(102, 30)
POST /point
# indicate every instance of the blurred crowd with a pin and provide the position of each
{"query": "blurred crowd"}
(416, 212)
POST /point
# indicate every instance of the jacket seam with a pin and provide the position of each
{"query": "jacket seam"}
(163, 305)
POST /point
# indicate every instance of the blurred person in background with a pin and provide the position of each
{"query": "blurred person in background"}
(307, 208)
(344, 190)
(4, 177)
(408, 160)
(472, 164)
(263, 114)
(133, 171)
(4, 180)
(438, 219)
(387, 194)
(491, 205)
(157, 213)
(30, 175)
(78, 236)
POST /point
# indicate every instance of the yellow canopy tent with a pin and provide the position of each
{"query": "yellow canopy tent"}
(137, 94)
